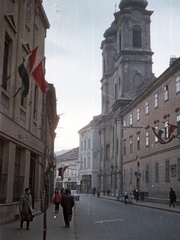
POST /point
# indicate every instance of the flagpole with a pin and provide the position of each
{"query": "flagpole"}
(45, 171)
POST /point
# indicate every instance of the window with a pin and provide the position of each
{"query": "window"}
(120, 42)
(6, 63)
(166, 93)
(167, 177)
(147, 138)
(156, 172)
(178, 84)
(115, 91)
(173, 170)
(35, 102)
(178, 124)
(138, 143)
(1, 154)
(131, 145)
(104, 67)
(138, 114)
(89, 143)
(156, 129)
(156, 100)
(137, 36)
(147, 107)
(147, 173)
(166, 129)
(84, 144)
(178, 168)
(124, 148)
(131, 119)
(130, 176)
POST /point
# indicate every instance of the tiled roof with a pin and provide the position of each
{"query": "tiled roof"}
(72, 154)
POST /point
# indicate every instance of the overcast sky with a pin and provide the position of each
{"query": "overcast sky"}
(74, 60)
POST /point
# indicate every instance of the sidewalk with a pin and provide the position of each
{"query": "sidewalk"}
(55, 228)
(154, 205)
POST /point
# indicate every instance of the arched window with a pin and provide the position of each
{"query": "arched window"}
(137, 36)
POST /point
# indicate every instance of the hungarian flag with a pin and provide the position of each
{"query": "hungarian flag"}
(38, 76)
(61, 171)
(25, 69)
(158, 133)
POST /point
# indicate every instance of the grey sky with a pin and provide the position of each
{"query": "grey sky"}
(73, 55)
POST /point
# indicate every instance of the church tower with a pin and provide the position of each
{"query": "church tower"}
(127, 55)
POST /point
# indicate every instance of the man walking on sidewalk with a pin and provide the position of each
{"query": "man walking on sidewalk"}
(172, 197)
(67, 204)
(25, 208)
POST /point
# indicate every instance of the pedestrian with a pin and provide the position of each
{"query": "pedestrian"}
(94, 191)
(125, 195)
(67, 203)
(136, 195)
(25, 208)
(172, 197)
(57, 199)
(142, 196)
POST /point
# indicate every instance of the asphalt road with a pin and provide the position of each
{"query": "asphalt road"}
(101, 219)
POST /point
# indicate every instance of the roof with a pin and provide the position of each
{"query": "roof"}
(70, 155)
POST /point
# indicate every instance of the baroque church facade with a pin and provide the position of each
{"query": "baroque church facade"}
(127, 80)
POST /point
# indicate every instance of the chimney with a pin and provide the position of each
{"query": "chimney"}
(172, 60)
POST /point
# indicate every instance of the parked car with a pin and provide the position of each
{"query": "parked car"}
(75, 195)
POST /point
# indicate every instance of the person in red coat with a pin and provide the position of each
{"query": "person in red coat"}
(57, 200)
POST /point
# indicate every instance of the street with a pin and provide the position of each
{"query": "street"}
(97, 218)
(100, 219)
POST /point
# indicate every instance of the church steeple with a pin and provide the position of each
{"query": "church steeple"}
(126, 53)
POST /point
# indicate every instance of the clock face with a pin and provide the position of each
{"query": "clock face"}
(136, 15)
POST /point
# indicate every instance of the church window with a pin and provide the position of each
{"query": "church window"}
(115, 91)
(137, 36)
(120, 42)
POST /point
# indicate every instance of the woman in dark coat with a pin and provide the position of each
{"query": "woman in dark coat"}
(67, 203)
(25, 208)
(172, 197)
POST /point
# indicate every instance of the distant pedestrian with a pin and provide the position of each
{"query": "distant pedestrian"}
(94, 191)
(125, 195)
(142, 196)
(57, 199)
(25, 208)
(136, 195)
(67, 203)
(172, 197)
